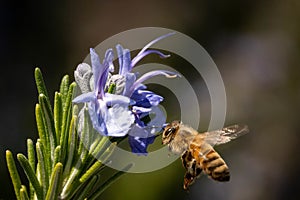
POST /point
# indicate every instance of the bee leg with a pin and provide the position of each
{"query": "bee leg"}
(187, 159)
(188, 180)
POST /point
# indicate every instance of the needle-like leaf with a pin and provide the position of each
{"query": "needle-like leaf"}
(23, 193)
(58, 110)
(55, 183)
(31, 175)
(13, 173)
(31, 159)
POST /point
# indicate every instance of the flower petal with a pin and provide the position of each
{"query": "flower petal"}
(85, 97)
(145, 53)
(145, 98)
(157, 122)
(83, 74)
(139, 145)
(120, 56)
(118, 81)
(96, 67)
(112, 99)
(148, 75)
(154, 41)
(119, 120)
(130, 79)
(98, 118)
(139, 110)
(124, 60)
(108, 59)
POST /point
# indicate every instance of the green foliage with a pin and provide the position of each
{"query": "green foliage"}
(62, 164)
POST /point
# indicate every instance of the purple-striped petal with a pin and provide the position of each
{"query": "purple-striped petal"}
(102, 82)
(97, 68)
(124, 60)
(108, 59)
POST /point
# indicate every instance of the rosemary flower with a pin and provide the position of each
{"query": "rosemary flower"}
(119, 104)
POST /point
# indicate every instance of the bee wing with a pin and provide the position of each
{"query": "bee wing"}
(225, 135)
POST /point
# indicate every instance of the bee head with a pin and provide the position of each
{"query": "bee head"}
(170, 131)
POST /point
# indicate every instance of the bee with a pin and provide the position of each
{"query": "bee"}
(197, 152)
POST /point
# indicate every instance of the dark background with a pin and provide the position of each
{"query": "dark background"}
(255, 44)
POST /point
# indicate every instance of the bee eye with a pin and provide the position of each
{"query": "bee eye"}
(169, 131)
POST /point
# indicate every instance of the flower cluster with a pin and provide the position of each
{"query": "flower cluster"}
(120, 104)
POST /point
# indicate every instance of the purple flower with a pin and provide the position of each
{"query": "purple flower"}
(120, 104)
(109, 113)
(141, 134)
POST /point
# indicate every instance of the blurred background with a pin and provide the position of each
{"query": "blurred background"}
(255, 44)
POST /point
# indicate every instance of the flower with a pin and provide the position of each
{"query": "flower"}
(109, 113)
(141, 134)
(119, 104)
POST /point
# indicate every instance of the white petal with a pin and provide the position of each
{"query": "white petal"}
(119, 120)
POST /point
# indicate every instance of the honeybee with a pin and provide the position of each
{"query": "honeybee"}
(196, 149)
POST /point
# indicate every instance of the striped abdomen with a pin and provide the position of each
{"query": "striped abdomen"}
(214, 166)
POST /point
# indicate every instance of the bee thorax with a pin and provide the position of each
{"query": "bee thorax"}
(178, 147)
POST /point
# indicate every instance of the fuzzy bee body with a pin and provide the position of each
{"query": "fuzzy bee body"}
(197, 152)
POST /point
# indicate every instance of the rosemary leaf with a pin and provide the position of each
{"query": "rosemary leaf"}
(48, 123)
(31, 159)
(71, 145)
(67, 115)
(57, 154)
(13, 173)
(90, 172)
(55, 183)
(43, 136)
(84, 141)
(23, 193)
(31, 176)
(40, 84)
(64, 88)
(58, 107)
(43, 168)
